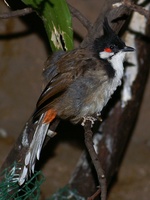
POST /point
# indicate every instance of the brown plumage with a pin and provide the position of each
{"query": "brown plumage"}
(79, 84)
(73, 82)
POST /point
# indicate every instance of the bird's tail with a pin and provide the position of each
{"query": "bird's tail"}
(34, 148)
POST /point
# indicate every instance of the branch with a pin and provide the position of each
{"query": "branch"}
(129, 4)
(22, 12)
(96, 162)
(85, 22)
(16, 13)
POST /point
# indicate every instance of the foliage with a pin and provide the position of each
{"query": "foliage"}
(57, 21)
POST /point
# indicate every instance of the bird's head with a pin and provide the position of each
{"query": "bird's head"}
(110, 44)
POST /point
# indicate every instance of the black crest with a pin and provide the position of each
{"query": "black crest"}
(106, 28)
(108, 39)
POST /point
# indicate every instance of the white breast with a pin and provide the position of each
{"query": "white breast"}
(117, 63)
(110, 86)
(105, 90)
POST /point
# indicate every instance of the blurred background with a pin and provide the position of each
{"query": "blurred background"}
(23, 51)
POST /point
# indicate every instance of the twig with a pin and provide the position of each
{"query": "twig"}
(100, 172)
(94, 195)
(85, 22)
(136, 8)
(16, 13)
(22, 12)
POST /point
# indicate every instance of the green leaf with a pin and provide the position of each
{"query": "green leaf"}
(57, 21)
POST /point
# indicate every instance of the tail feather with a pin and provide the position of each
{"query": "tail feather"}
(34, 150)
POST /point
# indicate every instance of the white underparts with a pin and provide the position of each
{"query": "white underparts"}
(109, 86)
(117, 63)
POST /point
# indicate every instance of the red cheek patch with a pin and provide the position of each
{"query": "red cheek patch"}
(108, 50)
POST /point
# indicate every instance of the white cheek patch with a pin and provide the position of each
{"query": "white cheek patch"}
(105, 55)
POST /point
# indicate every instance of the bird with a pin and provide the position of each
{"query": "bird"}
(80, 82)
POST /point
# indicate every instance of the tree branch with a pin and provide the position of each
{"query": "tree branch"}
(85, 22)
(96, 162)
(129, 4)
(22, 12)
(16, 13)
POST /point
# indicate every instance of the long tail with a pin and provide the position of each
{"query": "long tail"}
(34, 149)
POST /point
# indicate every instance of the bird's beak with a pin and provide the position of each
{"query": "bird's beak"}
(128, 49)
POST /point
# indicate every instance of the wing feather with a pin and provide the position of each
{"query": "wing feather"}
(62, 74)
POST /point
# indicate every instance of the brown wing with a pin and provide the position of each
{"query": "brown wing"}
(50, 67)
(61, 74)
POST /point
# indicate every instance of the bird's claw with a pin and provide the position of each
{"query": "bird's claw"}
(88, 118)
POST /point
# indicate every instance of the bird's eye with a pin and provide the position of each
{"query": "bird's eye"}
(112, 46)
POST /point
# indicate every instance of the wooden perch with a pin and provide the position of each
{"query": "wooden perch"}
(96, 162)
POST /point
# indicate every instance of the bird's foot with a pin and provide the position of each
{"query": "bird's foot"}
(88, 118)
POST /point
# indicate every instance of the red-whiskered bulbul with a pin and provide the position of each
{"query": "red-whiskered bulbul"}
(80, 84)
